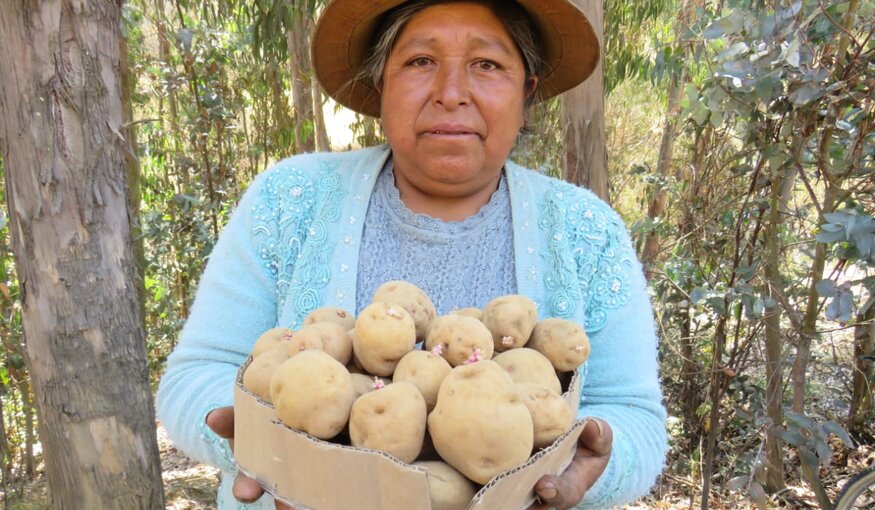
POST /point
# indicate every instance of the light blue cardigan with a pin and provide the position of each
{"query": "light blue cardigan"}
(292, 246)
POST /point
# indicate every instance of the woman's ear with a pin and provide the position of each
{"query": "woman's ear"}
(531, 87)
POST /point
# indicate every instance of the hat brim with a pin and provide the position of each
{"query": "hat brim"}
(346, 27)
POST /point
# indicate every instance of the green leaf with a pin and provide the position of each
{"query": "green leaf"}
(829, 237)
(701, 115)
(792, 437)
(806, 94)
(698, 295)
(826, 288)
(737, 483)
(832, 427)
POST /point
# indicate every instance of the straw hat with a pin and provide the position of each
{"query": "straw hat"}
(346, 27)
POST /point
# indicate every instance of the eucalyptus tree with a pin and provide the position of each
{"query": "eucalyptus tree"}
(64, 151)
(788, 88)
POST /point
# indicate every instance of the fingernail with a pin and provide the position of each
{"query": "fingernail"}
(548, 491)
(598, 424)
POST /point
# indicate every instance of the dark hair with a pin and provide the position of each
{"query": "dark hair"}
(514, 18)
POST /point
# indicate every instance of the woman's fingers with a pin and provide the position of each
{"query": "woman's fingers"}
(246, 490)
(221, 421)
(590, 459)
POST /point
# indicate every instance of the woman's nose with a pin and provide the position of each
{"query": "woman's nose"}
(451, 87)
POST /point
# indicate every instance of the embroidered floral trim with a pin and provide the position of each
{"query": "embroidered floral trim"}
(291, 225)
(595, 237)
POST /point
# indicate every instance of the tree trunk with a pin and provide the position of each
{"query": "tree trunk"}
(715, 387)
(323, 144)
(62, 119)
(666, 148)
(583, 117)
(773, 343)
(863, 389)
(132, 165)
(298, 40)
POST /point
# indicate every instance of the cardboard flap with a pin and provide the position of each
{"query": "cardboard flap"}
(513, 490)
(317, 474)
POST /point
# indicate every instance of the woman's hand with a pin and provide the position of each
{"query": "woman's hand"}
(590, 460)
(246, 490)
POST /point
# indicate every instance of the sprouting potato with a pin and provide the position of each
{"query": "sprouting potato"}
(551, 415)
(447, 488)
(413, 299)
(471, 311)
(312, 392)
(391, 419)
(331, 314)
(384, 333)
(511, 319)
(299, 343)
(426, 370)
(363, 383)
(257, 376)
(563, 342)
(479, 424)
(270, 339)
(331, 336)
(527, 365)
(461, 339)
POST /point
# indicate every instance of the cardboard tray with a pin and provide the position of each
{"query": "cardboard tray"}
(312, 474)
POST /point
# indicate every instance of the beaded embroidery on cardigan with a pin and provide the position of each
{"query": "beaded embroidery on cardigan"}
(595, 236)
(295, 208)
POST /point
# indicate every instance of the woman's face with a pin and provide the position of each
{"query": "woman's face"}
(453, 95)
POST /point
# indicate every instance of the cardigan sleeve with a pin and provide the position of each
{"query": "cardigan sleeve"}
(620, 381)
(235, 303)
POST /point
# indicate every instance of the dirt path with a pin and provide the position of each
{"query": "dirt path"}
(188, 485)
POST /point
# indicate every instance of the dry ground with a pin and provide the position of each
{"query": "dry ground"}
(189, 485)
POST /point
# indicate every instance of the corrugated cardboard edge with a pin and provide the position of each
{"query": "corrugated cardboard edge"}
(514, 489)
(312, 474)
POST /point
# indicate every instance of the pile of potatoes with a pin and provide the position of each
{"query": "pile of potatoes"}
(478, 398)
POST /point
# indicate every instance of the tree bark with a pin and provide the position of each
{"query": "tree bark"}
(773, 344)
(298, 40)
(863, 381)
(659, 198)
(583, 117)
(132, 165)
(62, 122)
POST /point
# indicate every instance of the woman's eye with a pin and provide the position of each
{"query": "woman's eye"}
(486, 65)
(420, 62)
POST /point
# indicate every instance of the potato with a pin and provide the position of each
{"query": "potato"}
(551, 416)
(426, 371)
(391, 419)
(479, 424)
(384, 333)
(529, 366)
(563, 342)
(413, 299)
(363, 383)
(511, 320)
(257, 376)
(477, 313)
(331, 314)
(299, 343)
(447, 488)
(332, 338)
(312, 392)
(460, 337)
(270, 339)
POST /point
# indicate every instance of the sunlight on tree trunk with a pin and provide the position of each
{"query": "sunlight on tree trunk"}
(62, 124)
(586, 162)
(774, 339)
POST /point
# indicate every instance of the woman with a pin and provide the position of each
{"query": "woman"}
(443, 208)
